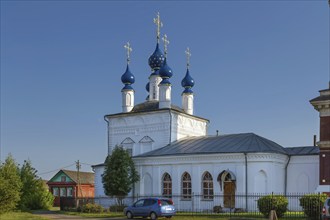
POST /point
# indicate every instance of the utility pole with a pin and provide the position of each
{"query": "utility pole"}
(78, 166)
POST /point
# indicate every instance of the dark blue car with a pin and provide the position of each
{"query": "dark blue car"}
(151, 207)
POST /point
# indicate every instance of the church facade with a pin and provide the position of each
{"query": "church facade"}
(174, 154)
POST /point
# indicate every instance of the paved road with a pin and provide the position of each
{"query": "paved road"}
(56, 215)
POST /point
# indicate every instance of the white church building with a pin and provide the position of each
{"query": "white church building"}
(174, 154)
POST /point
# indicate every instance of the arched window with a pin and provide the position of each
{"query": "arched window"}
(207, 183)
(186, 186)
(167, 185)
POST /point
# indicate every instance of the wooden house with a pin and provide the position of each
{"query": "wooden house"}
(68, 183)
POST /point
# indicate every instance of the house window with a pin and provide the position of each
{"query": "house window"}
(186, 186)
(62, 192)
(207, 183)
(167, 185)
(63, 178)
(55, 191)
(69, 192)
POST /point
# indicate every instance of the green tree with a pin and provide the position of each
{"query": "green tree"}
(34, 193)
(119, 174)
(10, 185)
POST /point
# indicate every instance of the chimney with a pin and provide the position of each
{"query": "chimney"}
(314, 140)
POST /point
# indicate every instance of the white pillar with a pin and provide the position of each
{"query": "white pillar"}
(127, 100)
(188, 103)
(164, 96)
(154, 89)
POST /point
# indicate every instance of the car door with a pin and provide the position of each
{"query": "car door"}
(147, 205)
(137, 208)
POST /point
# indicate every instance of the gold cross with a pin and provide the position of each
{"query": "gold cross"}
(166, 42)
(188, 56)
(159, 25)
(129, 50)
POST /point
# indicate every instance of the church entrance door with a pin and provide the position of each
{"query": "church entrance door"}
(229, 194)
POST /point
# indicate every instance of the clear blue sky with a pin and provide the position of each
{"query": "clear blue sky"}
(256, 65)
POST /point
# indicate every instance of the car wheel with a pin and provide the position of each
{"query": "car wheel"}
(129, 215)
(153, 216)
(168, 217)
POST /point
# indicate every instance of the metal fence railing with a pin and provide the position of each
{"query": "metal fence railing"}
(240, 206)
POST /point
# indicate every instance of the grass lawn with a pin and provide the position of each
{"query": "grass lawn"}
(20, 216)
(195, 216)
(93, 215)
(179, 216)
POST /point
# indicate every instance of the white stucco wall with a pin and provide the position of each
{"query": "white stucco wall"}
(98, 171)
(163, 127)
(154, 124)
(267, 167)
(272, 165)
(184, 125)
(303, 172)
(265, 174)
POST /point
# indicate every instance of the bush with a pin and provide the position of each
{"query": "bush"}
(312, 204)
(91, 208)
(217, 209)
(116, 208)
(273, 202)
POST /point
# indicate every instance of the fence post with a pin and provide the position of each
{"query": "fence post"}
(193, 202)
(230, 204)
(246, 201)
(318, 206)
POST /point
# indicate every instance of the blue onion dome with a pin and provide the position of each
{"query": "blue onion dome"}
(165, 81)
(156, 59)
(148, 87)
(187, 81)
(127, 78)
(165, 71)
(127, 87)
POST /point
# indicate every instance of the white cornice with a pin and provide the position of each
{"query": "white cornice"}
(211, 158)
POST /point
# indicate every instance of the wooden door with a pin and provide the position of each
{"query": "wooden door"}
(229, 194)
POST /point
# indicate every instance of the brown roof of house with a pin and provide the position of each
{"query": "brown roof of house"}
(85, 177)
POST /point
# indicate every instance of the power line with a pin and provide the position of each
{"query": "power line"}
(51, 171)
(56, 169)
(86, 164)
